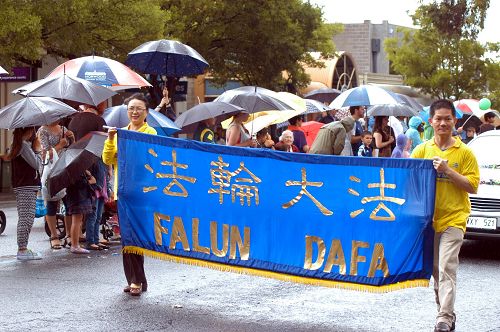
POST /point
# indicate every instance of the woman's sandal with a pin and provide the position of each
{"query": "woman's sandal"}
(53, 245)
(102, 246)
(135, 290)
(93, 247)
(144, 288)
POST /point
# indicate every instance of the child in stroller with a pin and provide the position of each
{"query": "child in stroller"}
(110, 229)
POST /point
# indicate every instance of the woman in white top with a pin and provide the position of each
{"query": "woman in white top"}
(237, 134)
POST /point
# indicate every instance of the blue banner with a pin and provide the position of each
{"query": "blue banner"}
(361, 223)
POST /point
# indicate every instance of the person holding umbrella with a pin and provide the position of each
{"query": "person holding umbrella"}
(26, 168)
(53, 137)
(137, 110)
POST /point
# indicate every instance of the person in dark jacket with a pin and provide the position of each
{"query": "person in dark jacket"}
(26, 163)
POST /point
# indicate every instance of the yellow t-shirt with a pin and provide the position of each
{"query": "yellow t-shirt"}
(110, 152)
(452, 205)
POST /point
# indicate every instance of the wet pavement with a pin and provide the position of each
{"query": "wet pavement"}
(84, 293)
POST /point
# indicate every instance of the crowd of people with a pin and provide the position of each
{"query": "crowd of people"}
(352, 135)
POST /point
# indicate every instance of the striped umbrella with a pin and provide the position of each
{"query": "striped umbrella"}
(101, 71)
(365, 95)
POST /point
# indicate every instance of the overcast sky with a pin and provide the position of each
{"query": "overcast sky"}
(395, 11)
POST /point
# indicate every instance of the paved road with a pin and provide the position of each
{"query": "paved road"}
(83, 293)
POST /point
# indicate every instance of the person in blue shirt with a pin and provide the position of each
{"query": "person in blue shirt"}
(415, 128)
(365, 149)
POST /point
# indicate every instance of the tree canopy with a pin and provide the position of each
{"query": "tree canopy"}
(74, 28)
(255, 42)
(443, 57)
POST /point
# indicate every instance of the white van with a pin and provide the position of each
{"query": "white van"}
(484, 220)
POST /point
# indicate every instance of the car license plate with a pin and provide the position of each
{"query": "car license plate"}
(482, 223)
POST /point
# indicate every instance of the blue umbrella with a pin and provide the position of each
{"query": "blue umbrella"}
(364, 95)
(425, 113)
(116, 116)
(166, 57)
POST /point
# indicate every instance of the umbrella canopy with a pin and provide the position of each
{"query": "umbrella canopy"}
(2, 71)
(67, 87)
(409, 101)
(297, 103)
(33, 111)
(116, 116)
(310, 129)
(364, 95)
(391, 109)
(219, 110)
(314, 106)
(254, 99)
(101, 71)
(266, 118)
(166, 57)
(324, 95)
(469, 106)
(80, 156)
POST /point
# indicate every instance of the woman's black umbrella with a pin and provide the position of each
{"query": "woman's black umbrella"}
(79, 157)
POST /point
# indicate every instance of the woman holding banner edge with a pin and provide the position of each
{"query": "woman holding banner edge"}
(137, 110)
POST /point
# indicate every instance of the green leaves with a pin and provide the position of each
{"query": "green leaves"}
(255, 42)
(251, 41)
(443, 58)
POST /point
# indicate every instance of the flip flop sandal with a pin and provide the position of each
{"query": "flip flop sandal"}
(55, 246)
(135, 291)
(102, 246)
(79, 250)
(93, 247)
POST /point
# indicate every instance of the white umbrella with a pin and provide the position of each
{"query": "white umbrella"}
(364, 95)
(33, 111)
(2, 71)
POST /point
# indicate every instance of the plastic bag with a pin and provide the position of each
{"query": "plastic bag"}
(45, 174)
(40, 209)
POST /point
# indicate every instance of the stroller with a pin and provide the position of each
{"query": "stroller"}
(110, 229)
(3, 221)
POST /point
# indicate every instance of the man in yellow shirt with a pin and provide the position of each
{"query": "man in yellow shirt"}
(457, 175)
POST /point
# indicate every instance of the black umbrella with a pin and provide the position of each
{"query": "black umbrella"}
(67, 87)
(219, 110)
(79, 157)
(166, 57)
(33, 111)
(324, 95)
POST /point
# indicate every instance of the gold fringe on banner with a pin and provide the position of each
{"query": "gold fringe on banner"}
(276, 275)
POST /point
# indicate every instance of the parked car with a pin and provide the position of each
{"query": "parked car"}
(484, 220)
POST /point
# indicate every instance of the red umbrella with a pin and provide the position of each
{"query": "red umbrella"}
(310, 129)
(467, 106)
(101, 71)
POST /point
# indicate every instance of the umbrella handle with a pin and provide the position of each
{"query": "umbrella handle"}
(463, 124)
